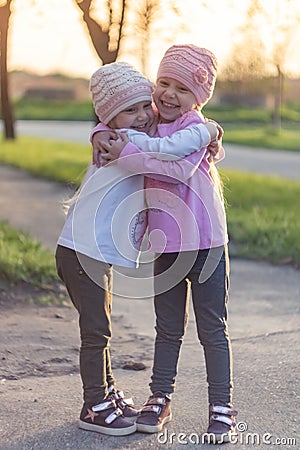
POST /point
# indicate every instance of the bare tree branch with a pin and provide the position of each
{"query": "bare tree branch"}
(121, 25)
(146, 14)
(99, 37)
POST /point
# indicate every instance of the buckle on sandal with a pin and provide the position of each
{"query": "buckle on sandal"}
(151, 408)
(113, 416)
(223, 419)
(103, 406)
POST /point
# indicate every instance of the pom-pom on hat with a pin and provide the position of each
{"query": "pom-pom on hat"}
(193, 66)
(117, 86)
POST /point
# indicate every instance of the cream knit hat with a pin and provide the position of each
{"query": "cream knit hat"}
(117, 86)
(193, 66)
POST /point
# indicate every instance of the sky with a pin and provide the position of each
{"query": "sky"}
(49, 36)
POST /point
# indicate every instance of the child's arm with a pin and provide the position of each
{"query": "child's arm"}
(180, 144)
(170, 148)
(138, 162)
(178, 171)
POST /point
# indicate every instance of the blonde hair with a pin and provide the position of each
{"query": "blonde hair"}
(215, 176)
(213, 171)
(66, 204)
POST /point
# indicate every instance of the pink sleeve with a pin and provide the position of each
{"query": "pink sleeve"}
(99, 127)
(136, 161)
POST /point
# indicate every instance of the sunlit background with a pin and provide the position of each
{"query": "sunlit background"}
(51, 37)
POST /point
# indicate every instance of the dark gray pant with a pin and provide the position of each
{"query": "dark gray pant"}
(210, 298)
(93, 304)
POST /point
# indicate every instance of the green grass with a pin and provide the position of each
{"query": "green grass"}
(39, 109)
(55, 160)
(236, 115)
(253, 127)
(227, 114)
(264, 137)
(23, 259)
(263, 219)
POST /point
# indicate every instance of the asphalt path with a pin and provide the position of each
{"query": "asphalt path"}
(280, 163)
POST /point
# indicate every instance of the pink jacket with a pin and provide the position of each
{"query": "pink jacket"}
(185, 209)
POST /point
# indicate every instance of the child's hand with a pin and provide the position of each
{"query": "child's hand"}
(220, 131)
(216, 143)
(113, 148)
(98, 140)
(214, 148)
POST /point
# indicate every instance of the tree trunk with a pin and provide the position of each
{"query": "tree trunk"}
(6, 107)
(278, 98)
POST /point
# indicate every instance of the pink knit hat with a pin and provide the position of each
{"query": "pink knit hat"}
(193, 66)
(117, 86)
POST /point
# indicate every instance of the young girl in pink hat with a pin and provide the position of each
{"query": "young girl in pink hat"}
(188, 233)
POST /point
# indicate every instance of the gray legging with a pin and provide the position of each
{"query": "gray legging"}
(93, 304)
(210, 298)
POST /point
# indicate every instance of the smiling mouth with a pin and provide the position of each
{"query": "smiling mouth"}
(140, 127)
(169, 105)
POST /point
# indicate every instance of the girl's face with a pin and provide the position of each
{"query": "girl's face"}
(172, 99)
(139, 116)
